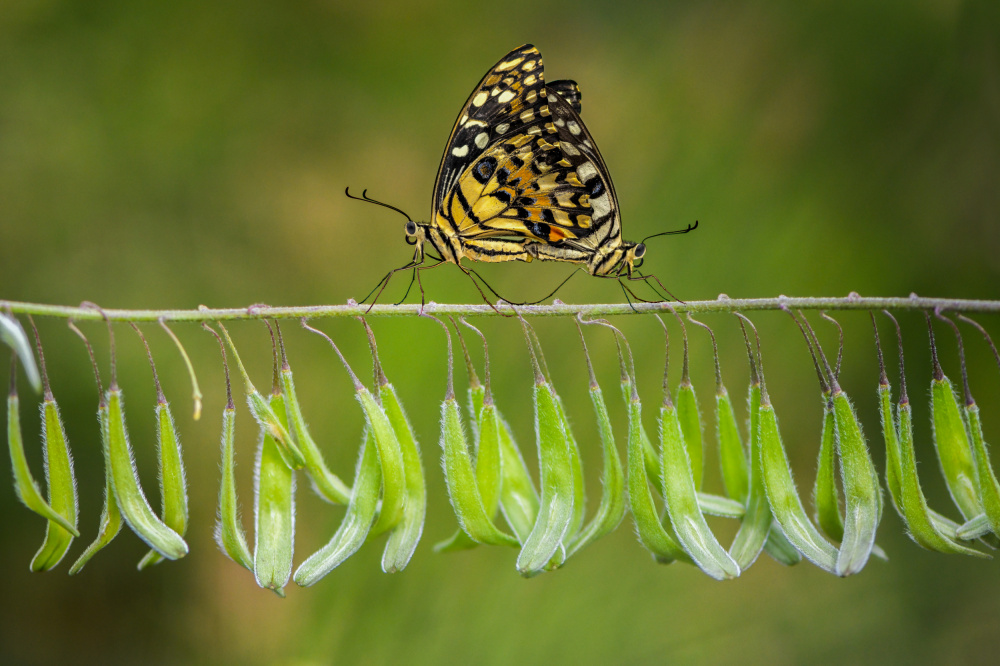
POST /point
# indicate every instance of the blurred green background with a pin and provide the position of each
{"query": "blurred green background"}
(157, 155)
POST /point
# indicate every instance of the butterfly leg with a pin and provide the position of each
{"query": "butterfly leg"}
(384, 282)
(647, 278)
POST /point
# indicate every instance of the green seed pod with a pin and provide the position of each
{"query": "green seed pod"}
(658, 538)
(463, 486)
(391, 460)
(62, 488)
(274, 510)
(757, 521)
(682, 501)
(403, 540)
(357, 521)
(519, 499)
(111, 516)
(229, 532)
(780, 548)
(826, 497)
(951, 441)
(128, 491)
(326, 484)
(555, 464)
(784, 499)
(717, 505)
(863, 496)
(989, 487)
(611, 509)
(732, 456)
(173, 485)
(24, 483)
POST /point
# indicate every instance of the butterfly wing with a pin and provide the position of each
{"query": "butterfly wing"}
(492, 111)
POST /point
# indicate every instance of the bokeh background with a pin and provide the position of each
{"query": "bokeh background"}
(158, 155)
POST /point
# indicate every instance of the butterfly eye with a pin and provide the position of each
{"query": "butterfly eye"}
(640, 250)
(411, 228)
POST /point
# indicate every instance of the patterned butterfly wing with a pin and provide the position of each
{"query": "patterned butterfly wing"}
(537, 184)
(493, 110)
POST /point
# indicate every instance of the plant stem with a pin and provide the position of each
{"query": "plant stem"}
(723, 304)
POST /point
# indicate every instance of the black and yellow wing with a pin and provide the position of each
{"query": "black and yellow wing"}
(521, 164)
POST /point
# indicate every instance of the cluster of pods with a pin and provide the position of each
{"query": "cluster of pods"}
(494, 496)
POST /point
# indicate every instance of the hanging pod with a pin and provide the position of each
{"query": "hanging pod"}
(58, 476)
(12, 334)
(611, 508)
(863, 499)
(173, 484)
(680, 481)
(544, 548)
(381, 461)
(986, 481)
(325, 483)
(951, 441)
(403, 539)
(923, 525)
(25, 485)
(459, 472)
(501, 475)
(262, 412)
(111, 518)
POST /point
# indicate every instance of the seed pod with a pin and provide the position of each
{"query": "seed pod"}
(12, 334)
(680, 480)
(901, 466)
(274, 510)
(128, 491)
(659, 539)
(325, 483)
(757, 521)
(265, 416)
(111, 516)
(544, 547)
(173, 485)
(863, 496)
(986, 480)
(58, 477)
(460, 474)
(951, 441)
(689, 417)
(519, 500)
(25, 485)
(576, 463)
(357, 521)
(732, 456)
(611, 509)
(229, 532)
(403, 540)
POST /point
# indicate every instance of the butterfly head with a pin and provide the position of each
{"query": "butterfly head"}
(412, 232)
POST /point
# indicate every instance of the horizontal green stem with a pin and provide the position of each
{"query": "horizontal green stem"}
(723, 304)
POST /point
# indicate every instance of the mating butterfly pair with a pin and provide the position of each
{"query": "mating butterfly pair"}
(522, 179)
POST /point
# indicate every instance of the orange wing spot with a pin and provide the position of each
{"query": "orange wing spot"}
(557, 234)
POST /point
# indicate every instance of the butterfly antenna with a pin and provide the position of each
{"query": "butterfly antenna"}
(675, 232)
(364, 197)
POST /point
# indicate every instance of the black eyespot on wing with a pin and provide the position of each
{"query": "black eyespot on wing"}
(503, 196)
(502, 174)
(595, 187)
(539, 229)
(484, 169)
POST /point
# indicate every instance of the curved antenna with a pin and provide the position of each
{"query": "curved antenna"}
(364, 197)
(675, 232)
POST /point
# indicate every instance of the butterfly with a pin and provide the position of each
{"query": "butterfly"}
(522, 179)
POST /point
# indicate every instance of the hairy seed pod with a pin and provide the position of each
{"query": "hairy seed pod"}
(111, 515)
(274, 510)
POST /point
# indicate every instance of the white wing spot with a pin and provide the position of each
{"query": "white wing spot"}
(502, 128)
(530, 65)
(509, 64)
(573, 127)
(461, 151)
(480, 99)
(481, 140)
(530, 80)
(527, 116)
(586, 171)
(601, 205)
(560, 122)
(569, 148)
(506, 96)
(465, 119)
